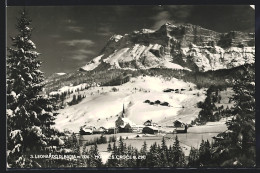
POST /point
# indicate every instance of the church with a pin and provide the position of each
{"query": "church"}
(123, 124)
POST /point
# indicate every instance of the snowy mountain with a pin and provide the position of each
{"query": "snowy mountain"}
(187, 47)
(115, 77)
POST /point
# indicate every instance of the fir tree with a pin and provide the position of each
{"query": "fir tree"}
(193, 158)
(121, 146)
(29, 115)
(113, 162)
(130, 152)
(143, 152)
(178, 155)
(163, 154)
(239, 144)
(152, 156)
(205, 153)
(94, 156)
(74, 100)
(109, 147)
(137, 161)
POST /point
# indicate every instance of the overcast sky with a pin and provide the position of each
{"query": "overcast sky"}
(69, 36)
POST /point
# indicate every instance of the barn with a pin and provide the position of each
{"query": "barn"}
(178, 123)
(180, 126)
(148, 123)
(86, 130)
(150, 130)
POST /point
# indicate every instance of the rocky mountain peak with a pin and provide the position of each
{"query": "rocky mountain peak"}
(178, 46)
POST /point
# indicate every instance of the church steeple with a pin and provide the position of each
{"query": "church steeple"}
(123, 113)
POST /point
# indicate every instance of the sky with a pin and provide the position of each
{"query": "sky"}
(69, 36)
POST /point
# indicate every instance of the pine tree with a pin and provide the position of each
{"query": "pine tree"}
(137, 161)
(144, 148)
(163, 145)
(121, 146)
(29, 115)
(94, 156)
(205, 153)
(143, 152)
(79, 98)
(163, 160)
(152, 156)
(130, 162)
(178, 155)
(170, 156)
(74, 100)
(113, 162)
(193, 158)
(160, 162)
(239, 142)
(109, 147)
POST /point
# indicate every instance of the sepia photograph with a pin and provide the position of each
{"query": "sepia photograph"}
(130, 86)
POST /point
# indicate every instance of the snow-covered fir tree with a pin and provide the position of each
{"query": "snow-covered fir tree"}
(29, 114)
(238, 147)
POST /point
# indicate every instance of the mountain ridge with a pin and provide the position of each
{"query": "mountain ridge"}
(182, 46)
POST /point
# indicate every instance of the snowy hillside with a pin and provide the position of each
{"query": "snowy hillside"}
(102, 105)
(92, 64)
(60, 74)
(72, 88)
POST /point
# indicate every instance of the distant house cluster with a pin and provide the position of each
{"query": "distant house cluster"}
(174, 90)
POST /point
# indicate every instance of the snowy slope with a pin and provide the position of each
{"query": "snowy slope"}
(60, 74)
(134, 57)
(72, 88)
(102, 105)
(92, 64)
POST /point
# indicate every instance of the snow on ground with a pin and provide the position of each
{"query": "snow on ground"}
(114, 58)
(101, 105)
(168, 64)
(92, 64)
(174, 66)
(60, 74)
(210, 127)
(70, 88)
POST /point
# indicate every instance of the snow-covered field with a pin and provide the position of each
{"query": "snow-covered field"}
(102, 106)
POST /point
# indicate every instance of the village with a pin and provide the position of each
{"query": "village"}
(124, 125)
(190, 136)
